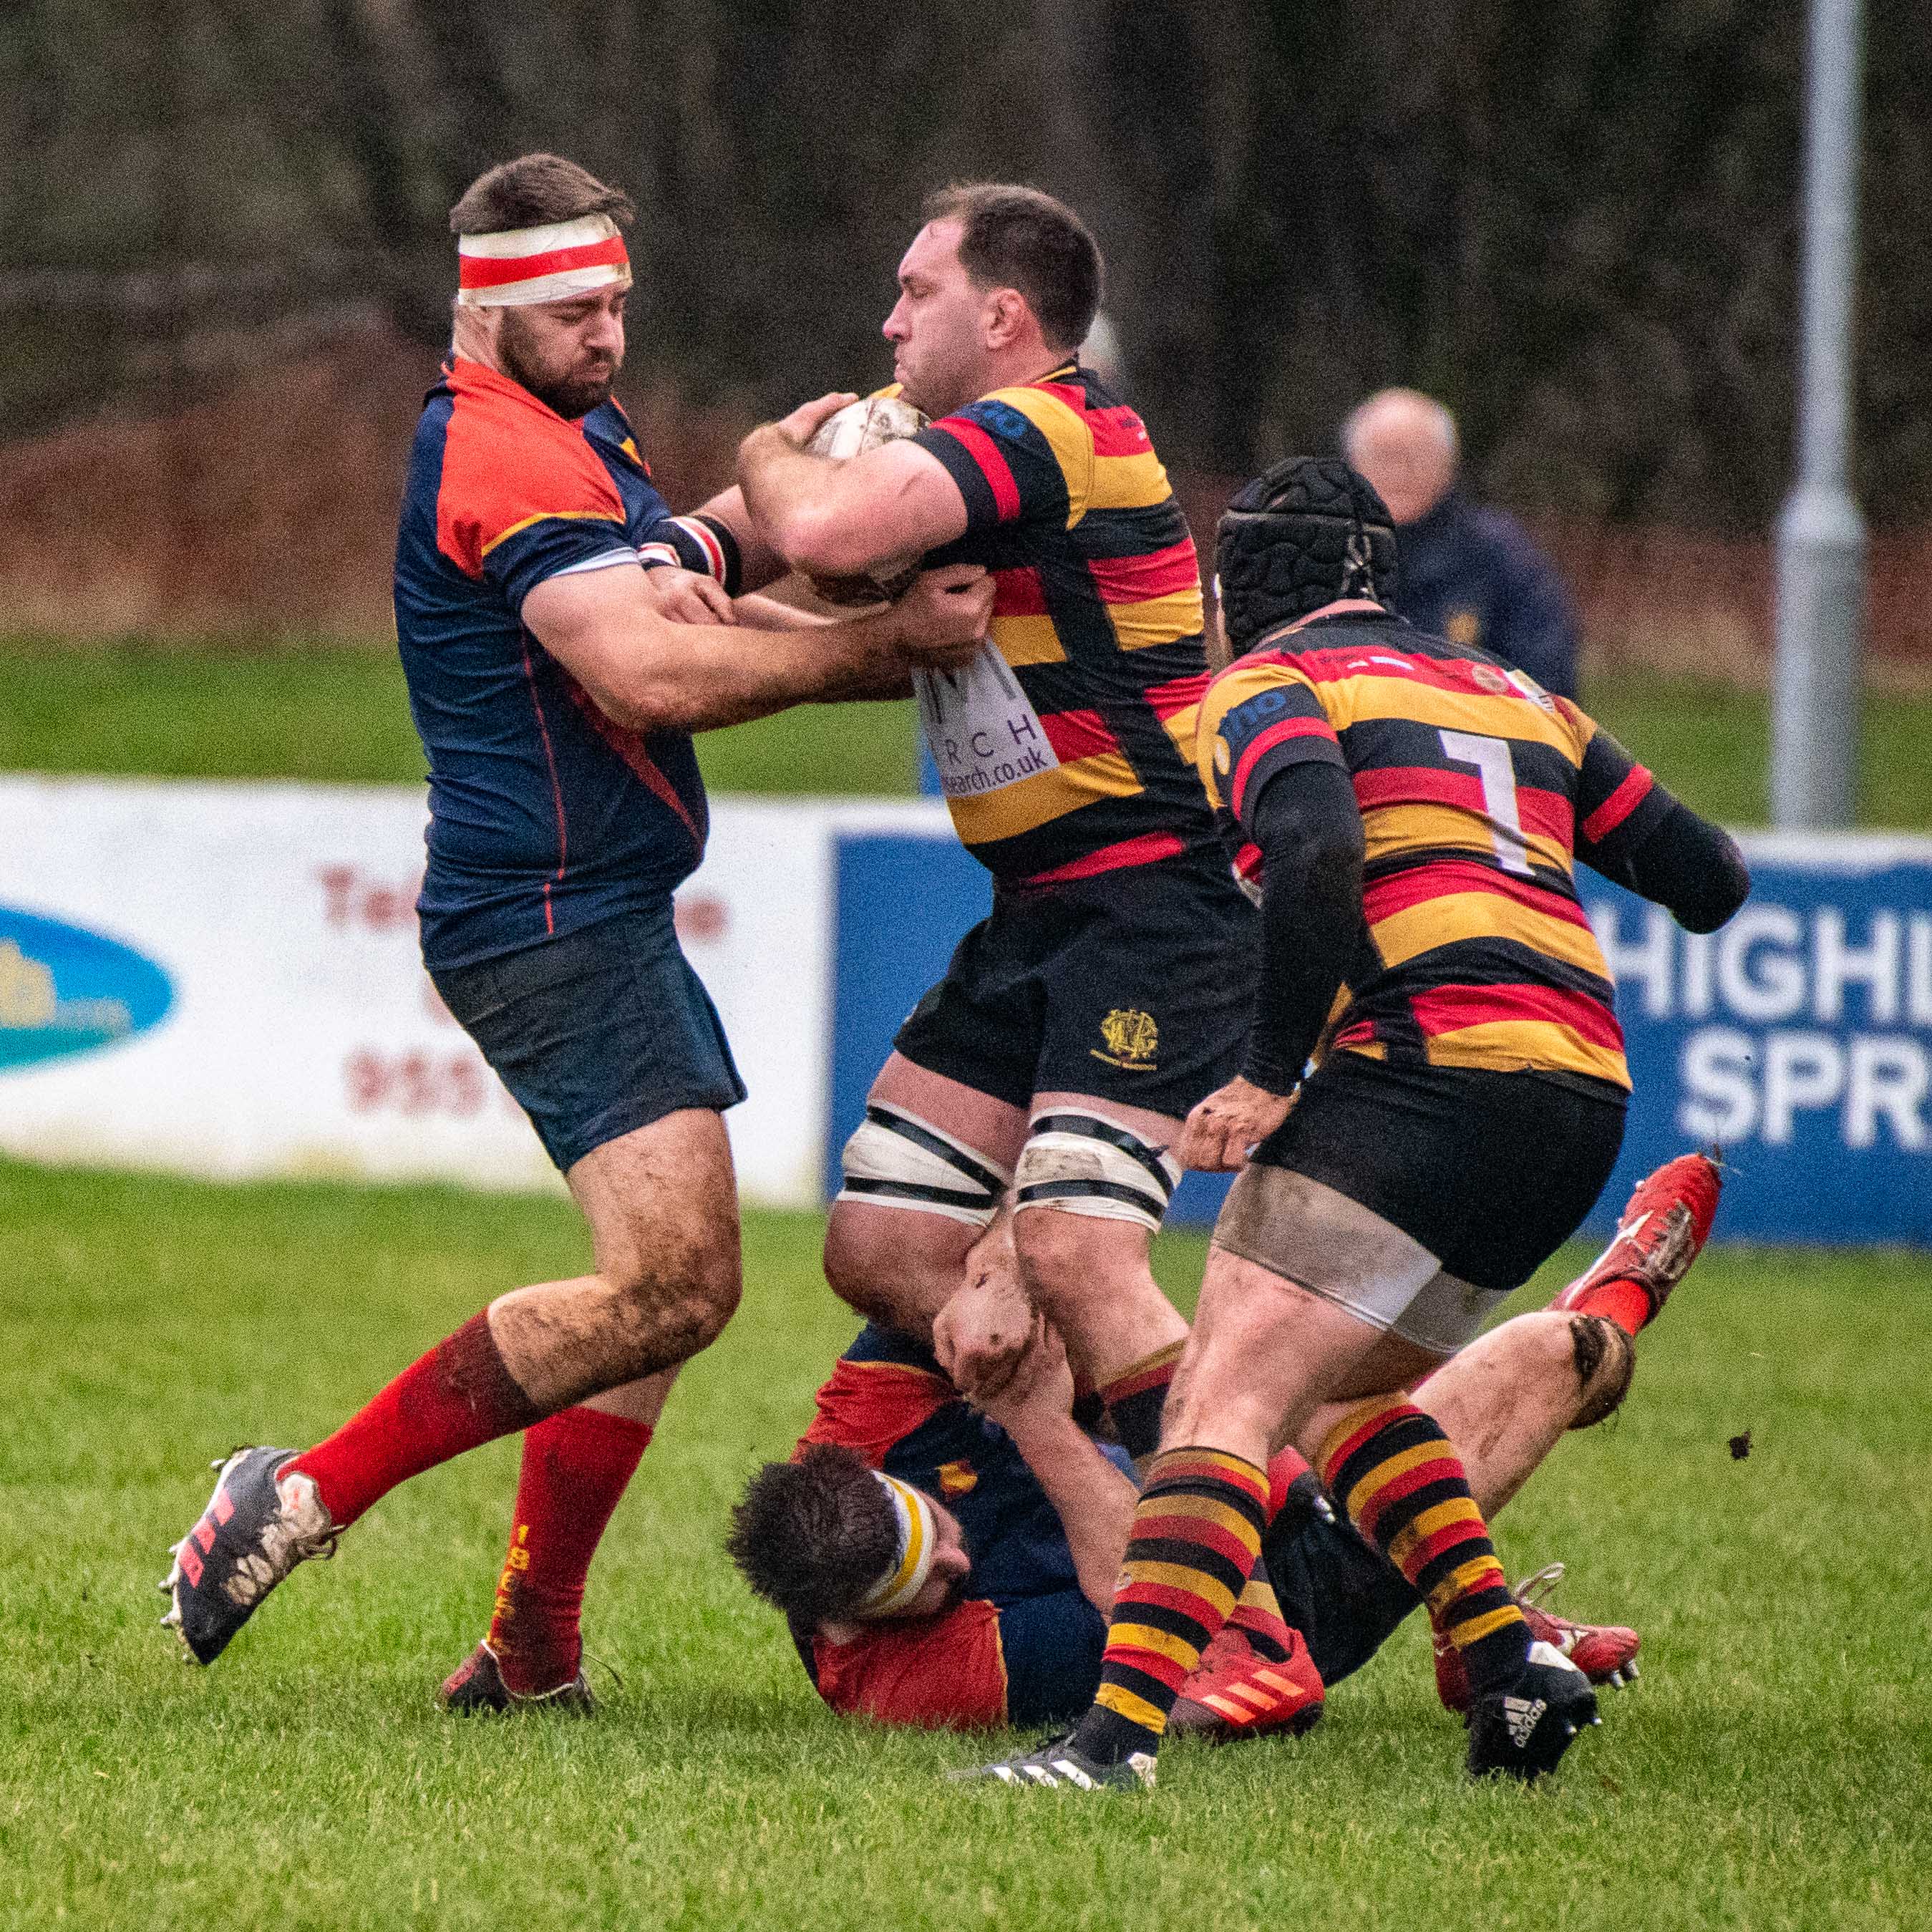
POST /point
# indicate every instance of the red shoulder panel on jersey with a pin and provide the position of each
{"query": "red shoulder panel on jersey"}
(1118, 431)
(508, 462)
(868, 1406)
(944, 1673)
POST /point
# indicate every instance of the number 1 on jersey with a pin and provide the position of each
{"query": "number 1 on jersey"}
(1491, 758)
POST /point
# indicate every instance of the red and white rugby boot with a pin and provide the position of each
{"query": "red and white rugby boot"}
(1235, 1693)
(258, 1526)
(477, 1684)
(1604, 1653)
(1664, 1227)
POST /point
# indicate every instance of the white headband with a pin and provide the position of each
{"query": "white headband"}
(917, 1537)
(550, 263)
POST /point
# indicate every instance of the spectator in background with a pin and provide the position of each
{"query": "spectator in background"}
(1470, 574)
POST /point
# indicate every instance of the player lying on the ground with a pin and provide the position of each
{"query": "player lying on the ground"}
(556, 699)
(942, 1564)
(1412, 812)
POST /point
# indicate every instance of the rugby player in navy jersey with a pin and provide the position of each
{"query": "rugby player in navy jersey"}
(1109, 990)
(1411, 811)
(555, 700)
(951, 1565)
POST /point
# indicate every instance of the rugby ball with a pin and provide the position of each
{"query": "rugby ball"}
(857, 427)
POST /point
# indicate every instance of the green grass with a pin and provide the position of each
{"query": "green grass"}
(342, 714)
(1769, 1773)
(1710, 743)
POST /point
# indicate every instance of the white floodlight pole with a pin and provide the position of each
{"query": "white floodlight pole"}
(1821, 536)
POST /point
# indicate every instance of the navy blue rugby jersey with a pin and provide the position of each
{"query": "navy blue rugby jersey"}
(545, 815)
(1023, 1645)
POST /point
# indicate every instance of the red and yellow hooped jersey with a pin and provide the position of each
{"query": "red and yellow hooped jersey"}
(1067, 748)
(1478, 791)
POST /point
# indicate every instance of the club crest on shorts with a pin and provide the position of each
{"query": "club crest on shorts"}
(1132, 1039)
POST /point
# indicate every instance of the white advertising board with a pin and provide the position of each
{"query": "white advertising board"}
(223, 979)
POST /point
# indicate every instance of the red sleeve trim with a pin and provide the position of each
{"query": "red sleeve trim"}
(985, 453)
(1265, 741)
(1619, 805)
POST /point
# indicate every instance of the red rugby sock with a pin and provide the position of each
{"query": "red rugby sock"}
(1625, 1302)
(457, 1396)
(576, 1466)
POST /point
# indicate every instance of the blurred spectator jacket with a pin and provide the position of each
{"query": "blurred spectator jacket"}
(1475, 576)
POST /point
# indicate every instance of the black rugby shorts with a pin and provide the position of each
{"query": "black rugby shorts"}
(1344, 1597)
(1491, 1172)
(1135, 986)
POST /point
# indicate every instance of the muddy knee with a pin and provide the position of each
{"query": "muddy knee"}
(1605, 1359)
(663, 1314)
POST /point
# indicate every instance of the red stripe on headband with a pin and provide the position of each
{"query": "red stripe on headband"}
(492, 271)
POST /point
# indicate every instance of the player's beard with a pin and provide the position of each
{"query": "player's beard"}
(937, 386)
(571, 395)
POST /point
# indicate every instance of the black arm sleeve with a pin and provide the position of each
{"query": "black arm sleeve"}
(1310, 830)
(1688, 865)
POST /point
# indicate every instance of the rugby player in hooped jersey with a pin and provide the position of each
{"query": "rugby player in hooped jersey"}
(1110, 989)
(1412, 811)
(556, 698)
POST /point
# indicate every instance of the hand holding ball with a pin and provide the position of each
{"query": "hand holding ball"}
(849, 432)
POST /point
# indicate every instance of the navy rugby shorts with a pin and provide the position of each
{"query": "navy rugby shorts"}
(1136, 985)
(1345, 1598)
(597, 1033)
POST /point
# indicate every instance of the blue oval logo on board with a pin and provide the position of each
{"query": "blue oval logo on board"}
(63, 989)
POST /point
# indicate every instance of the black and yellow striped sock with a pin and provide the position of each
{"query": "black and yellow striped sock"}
(1195, 1537)
(1136, 1399)
(1389, 1465)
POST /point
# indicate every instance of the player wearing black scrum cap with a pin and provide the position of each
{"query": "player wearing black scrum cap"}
(1410, 811)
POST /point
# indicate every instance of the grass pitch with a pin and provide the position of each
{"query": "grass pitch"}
(343, 715)
(1768, 1772)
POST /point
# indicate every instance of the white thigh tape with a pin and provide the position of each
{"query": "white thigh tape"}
(1083, 1164)
(897, 1160)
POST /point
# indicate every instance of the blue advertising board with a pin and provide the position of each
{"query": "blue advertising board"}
(1798, 1039)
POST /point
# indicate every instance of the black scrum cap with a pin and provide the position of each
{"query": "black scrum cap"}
(1304, 532)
